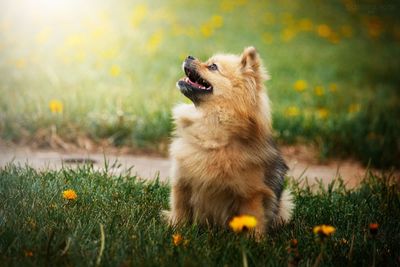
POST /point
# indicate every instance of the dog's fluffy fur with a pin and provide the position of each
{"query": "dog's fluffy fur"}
(225, 162)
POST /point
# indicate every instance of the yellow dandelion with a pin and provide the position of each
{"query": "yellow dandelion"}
(230, 5)
(115, 70)
(109, 53)
(354, 108)
(334, 38)
(333, 87)
(69, 194)
(80, 56)
(267, 38)
(324, 230)
(292, 111)
(155, 41)
(20, 63)
(375, 26)
(319, 91)
(217, 21)
(227, 6)
(98, 32)
(243, 222)
(177, 239)
(351, 5)
(74, 40)
(138, 15)
(28, 253)
(206, 29)
(373, 228)
(305, 25)
(324, 30)
(322, 113)
(300, 85)
(288, 34)
(56, 106)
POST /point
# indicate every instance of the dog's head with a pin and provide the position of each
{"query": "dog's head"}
(224, 79)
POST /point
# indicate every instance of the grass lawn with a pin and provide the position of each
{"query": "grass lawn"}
(38, 227)
(108, 70)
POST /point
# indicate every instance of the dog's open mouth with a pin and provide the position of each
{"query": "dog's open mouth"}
(195, 80)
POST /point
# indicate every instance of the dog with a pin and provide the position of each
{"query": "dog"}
(225, 162)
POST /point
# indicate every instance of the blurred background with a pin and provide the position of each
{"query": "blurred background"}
(94, 73)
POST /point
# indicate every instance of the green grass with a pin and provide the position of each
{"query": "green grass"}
(38, 227)
(114, 67)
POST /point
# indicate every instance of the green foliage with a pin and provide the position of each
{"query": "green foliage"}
(38, 227)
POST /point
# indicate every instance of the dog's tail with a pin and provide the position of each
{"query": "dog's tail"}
(286, 206)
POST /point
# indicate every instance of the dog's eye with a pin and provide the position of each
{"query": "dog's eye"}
(213, 67)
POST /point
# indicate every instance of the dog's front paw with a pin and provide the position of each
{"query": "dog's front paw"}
(171, 218)
(166, 216)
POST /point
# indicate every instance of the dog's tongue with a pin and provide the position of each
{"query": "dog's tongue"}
(194, 83)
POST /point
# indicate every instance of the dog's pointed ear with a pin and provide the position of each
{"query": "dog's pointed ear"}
(250, 59)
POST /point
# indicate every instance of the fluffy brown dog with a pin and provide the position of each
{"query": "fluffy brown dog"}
(225, 162)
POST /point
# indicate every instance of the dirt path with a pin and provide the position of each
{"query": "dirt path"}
(301, 161)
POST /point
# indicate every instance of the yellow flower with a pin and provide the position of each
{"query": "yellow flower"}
(334, 38)
(288, 34)
(115, 70)
(28, 253)
(305, 25)
(56, 106)
(177, 239)
(138, 15)
(217, 21)
(324, 30)
(74, 40)
(322, 113)
(20, 63)
(69, 194)
(243, 222)
(353, 108)
(319, 91)
(333, 87)
(300, 85)
(292, 111)
(154, 41)
(324, 230)
(230, 5)
(227, 5)
(109, 53)
(206, 29)
(375, 26)
(373, 228)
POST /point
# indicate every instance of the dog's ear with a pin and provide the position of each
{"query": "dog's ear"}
(250, 59)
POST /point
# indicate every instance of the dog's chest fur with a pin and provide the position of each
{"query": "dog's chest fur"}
(218, 173)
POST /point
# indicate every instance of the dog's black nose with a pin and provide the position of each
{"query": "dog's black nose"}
(190, 57)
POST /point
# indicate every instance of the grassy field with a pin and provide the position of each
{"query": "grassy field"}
(115, 221)
(108, 70)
